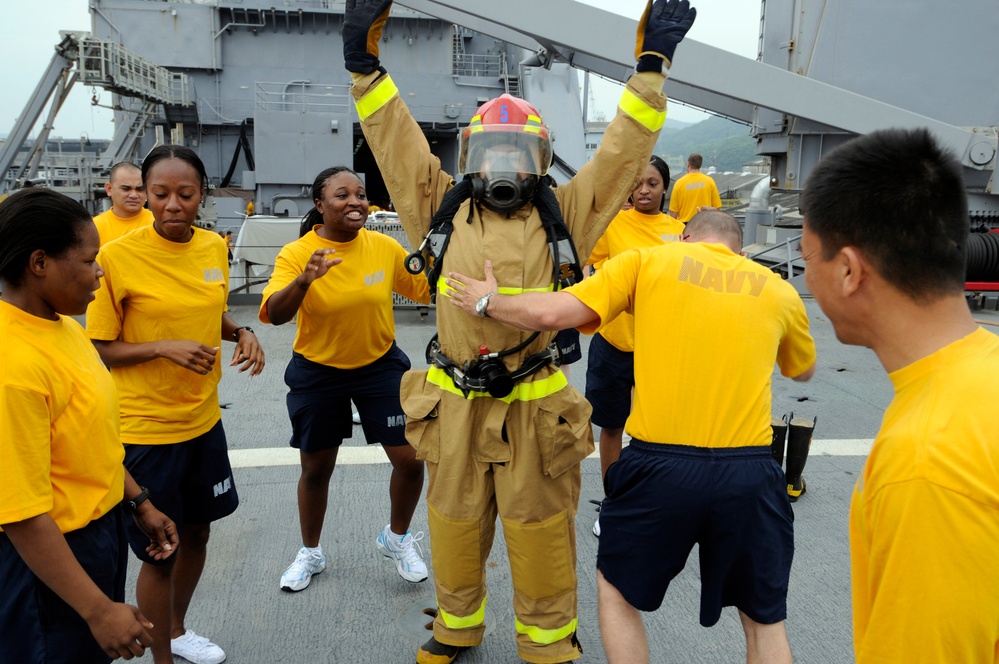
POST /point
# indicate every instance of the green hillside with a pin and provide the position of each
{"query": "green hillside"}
(726, 145)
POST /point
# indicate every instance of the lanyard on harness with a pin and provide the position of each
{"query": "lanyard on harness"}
(487, 373)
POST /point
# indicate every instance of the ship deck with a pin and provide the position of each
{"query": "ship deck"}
(359, 609)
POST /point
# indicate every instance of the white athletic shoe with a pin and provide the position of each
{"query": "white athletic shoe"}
(407, 555)
(596, 523)
(196, 649)
(299, 574)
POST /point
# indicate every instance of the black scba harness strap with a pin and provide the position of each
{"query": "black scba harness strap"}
(488, 373)
(567, 269)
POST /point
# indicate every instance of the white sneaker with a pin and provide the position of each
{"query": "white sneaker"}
(596, 523)
(196, 649)
(408, 559)
(299, 574)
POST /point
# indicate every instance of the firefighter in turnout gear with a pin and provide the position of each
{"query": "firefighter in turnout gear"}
(500, 429)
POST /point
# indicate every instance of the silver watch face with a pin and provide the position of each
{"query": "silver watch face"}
(481, 304)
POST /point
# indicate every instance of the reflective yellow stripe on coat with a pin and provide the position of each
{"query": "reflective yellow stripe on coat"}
(633, 106)
(376, 98)
(537, 389)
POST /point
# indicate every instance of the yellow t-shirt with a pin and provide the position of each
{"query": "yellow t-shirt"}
(692, 191)
(59, 444)
(154, 289)
(706, 383)
(345, 320)
(111, 227)
(631, 229)
(924, 519)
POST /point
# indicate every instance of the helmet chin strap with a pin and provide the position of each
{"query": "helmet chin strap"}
(503, 192)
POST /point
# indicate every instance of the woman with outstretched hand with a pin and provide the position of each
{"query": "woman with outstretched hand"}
(338, 279)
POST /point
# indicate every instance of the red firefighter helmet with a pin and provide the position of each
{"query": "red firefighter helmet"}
(506, 134)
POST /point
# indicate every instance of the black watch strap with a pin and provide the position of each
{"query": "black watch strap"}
(139, 499)
(235, 333)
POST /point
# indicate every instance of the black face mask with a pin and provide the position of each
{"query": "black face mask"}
(503, 192)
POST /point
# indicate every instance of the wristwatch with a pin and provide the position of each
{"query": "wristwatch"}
(143, 496)
(235, 333)
(482, 303)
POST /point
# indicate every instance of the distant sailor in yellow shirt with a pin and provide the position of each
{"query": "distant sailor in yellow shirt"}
(128, 200)
(694, 192)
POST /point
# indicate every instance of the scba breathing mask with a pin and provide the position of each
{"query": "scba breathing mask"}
(507, 179)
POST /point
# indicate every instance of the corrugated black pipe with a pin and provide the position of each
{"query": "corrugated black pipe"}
(983, 257)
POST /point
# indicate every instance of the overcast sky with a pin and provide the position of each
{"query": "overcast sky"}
(29, 31)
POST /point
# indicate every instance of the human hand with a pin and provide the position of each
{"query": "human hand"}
(191, 355)
(363, 21)
(317, 267)
(464, 291)
(249, 354)
(120, 630)
(159, 528)
(662, 26)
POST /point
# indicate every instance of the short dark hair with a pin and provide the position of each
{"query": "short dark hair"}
(899, 197)
(161, 152)
(313, 217)
(695, 160)
(37, 218)
(718, 224)
(122, 165)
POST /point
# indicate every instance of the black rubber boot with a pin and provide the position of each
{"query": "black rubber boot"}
(435, 652)
(779, 429)
(799, 439)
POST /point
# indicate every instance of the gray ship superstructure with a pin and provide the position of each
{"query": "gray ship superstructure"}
(272, 107)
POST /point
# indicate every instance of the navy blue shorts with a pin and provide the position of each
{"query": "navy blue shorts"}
(35, 624)
(732, 502)
(610, 375)
(190, 482)
(320, 396)
(568, 343)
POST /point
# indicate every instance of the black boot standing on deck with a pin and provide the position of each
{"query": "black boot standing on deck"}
(799, 440)
(779, 427)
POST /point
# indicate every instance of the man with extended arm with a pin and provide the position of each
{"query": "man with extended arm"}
(699, 468)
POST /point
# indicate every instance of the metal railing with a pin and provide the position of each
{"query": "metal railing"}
(303, 97)
(476, 64)
(110, 65)
(788, 264)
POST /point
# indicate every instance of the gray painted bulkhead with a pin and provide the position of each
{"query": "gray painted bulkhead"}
(281, 70)
(931, 59)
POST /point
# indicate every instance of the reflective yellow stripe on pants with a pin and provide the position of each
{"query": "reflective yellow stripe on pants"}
(546, 636)
(463, 622)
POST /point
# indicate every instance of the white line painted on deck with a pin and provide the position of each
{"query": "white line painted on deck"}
(351, 455)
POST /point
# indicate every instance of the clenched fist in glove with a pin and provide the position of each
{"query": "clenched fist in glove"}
(662, 26)
(362, 28)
